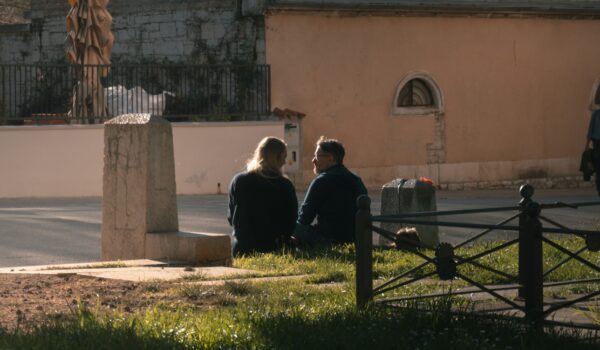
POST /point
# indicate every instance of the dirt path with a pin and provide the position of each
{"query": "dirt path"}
(26, 300)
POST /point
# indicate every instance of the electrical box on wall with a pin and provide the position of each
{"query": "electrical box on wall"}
(293, 139)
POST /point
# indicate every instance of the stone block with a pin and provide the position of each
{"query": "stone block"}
(390, 205)
(571, 184)
(138, 184)
(214, 31)
(168, 30)
(198, 248)
(181, 28)
(261, 46)
(187, 50)
(154, 27)
(173, 47)
(131, 35)
(483, 185)
(470, 185)
(147, 49)
(408, 196)
(586, 184)
(164, 17)
(456, 187)
(253, 7)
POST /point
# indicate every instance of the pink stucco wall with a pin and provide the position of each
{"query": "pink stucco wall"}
(514, 89)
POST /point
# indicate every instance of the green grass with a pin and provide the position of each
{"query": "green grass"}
(338, 264)
(317, 311)
(291, 315)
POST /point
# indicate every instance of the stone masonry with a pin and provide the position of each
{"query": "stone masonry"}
(15, 43)
(139, 203)
(402, 196)
(139, 184)
(180, 31)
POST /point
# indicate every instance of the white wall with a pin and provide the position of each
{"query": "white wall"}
(207, 154)
(67, 161)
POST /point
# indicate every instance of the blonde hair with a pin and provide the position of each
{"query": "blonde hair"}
(266, 156)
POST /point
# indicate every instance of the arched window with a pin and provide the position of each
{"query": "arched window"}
(417, 94)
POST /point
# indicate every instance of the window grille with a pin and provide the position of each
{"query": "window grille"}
(415, 93)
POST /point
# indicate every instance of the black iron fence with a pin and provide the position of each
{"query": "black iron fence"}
(530, 281)
(44, 93)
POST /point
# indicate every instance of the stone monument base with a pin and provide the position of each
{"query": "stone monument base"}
(139, 201)
(402, 196)
(193, 247)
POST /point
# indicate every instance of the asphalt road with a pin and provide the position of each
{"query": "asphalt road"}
(67, 230)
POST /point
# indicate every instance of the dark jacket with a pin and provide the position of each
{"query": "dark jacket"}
(331, 199)
(587, 164)
(262, 211)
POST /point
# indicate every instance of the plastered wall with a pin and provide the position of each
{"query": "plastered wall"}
(516, 91)
(67, 161)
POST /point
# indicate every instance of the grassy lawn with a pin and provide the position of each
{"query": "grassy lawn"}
(316, 311)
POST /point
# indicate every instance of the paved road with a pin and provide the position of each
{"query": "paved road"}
(67, 230)
(582, 218)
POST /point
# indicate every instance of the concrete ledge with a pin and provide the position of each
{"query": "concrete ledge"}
(133, 270)
(95, 265)
(194, 247)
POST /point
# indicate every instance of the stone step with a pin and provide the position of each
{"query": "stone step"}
(197, 248)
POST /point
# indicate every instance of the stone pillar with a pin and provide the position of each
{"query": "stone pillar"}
(139, 204)
(139, 194)
(408, 196)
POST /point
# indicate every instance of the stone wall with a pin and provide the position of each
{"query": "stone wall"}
(153, 31)
(13, 11)
(15, 43)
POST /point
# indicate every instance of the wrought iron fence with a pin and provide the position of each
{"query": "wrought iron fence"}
(57, 93)
(530, 281)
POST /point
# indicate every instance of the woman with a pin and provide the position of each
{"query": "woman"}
(262, 202)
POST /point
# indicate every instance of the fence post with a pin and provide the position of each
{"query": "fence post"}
(364, 252)
(526, 191)
(531, 274)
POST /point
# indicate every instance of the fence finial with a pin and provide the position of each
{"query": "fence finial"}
(363, 202)
(526, 191)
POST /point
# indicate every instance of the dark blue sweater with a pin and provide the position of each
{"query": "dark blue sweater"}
(331, 199)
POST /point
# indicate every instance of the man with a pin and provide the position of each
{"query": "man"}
(593, 138)
(330, 199)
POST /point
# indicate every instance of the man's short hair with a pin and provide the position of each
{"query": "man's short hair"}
(333, 147)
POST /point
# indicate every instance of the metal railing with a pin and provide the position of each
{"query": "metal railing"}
(42, 93)
(447, 263)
